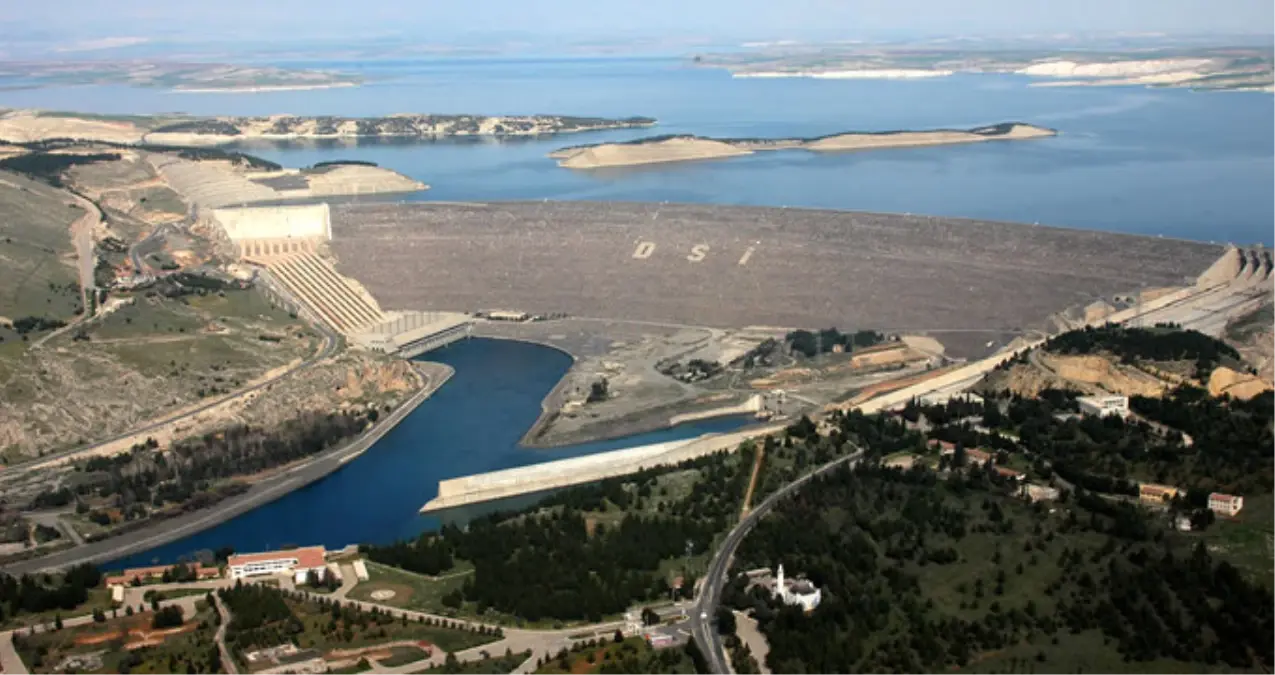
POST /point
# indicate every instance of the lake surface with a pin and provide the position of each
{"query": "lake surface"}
(471, 425)
(1165, 162)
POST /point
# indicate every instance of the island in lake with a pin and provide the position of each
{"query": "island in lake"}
(678, 148)
(26, 126)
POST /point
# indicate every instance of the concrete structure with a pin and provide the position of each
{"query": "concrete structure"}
(1225, 505)
(411, 333)
(1038, 493)
(577, 470)
(797, 592)
(297, 562)
(1152, 493)
(1103, 406)
(263, 231)
(360, 570)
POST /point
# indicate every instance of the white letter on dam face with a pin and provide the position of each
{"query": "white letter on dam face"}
(644, 250)
(698, 252)
(743, 260)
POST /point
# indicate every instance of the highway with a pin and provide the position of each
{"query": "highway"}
(703, 630)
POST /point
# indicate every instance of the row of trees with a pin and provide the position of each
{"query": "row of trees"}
(188, 472)
(30, 594)
(1162, 343)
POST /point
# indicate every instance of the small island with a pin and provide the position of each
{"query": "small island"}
(660, 149)
(25, 126)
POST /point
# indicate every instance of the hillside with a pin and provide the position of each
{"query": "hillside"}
(22, 126)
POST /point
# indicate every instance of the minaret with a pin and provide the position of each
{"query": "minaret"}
(779, 583)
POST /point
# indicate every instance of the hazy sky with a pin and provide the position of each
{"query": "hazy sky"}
(452, 22)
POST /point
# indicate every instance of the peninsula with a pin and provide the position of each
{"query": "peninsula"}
(36, 125)
(660, 149)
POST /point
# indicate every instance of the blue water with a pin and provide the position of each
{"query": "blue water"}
(471, 425)
(1165, 162)
(1148, 161)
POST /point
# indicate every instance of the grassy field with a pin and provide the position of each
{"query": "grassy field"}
(1248, 539)
(99, 598)
(315, 634)
(411, 591)
(492, 665)
(105, 647)
(401, 656)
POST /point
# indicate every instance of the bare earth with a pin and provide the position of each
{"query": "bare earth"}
(684, 148)
(720, 266)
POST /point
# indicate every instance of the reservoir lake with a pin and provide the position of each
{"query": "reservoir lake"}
(470, 425)
(1159, 162)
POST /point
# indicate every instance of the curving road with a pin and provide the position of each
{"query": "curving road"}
(703, 631)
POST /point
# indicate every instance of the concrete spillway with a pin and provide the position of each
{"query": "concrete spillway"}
(485, 487)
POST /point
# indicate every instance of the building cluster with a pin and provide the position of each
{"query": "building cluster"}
(1221, 504)
(299, 562)
(978, 457)
(137, 576)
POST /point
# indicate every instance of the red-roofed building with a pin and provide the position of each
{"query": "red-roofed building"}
(1225, 505)
(299, 562)
(976, 456)
(1010, 473)
(156, 573)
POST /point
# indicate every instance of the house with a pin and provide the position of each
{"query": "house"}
(944, 447)
(298, 562)
(1225, 505)
(1010, 473)
(1038, 493)
(979, 457)
(1103, 406)
(1152, 493)
(141, 575)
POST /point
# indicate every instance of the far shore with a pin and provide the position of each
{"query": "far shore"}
(262, 88)
(662, 149)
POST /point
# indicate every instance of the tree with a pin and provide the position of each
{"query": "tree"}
(99, 616)
(57, 622)
(618, 637)
(725, 621)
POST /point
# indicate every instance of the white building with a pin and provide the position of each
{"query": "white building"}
(1039, 493)
(1225, 505)
(798, 592)
(1103, 406)
(299, 562)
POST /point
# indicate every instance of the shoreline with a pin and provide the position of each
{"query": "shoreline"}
(688, 147)
(259, 494)
(262, 88)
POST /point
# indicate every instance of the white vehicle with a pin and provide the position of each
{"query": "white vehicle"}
(703, 616)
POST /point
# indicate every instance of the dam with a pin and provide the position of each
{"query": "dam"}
(749, 265)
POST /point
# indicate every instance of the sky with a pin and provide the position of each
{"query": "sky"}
(76, 26)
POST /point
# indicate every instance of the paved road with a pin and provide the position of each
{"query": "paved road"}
(260, 493)
(227, 660)
(703, 631)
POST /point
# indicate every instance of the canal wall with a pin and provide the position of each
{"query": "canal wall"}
(495, 485)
